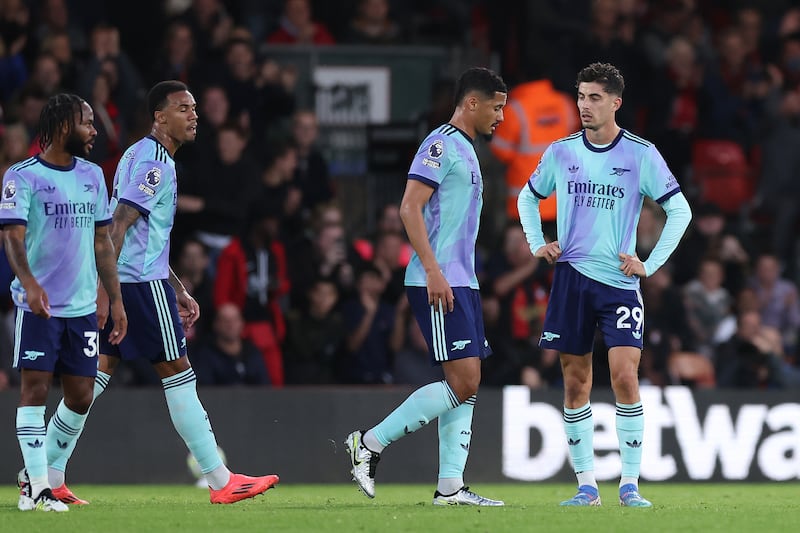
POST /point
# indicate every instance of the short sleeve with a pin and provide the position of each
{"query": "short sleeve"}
(102, 212)
(16, 199)
(432, 161)
(146, 186)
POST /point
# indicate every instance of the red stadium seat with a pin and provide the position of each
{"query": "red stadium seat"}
(722, 174)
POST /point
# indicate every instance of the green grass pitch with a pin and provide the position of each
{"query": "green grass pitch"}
(734, 507)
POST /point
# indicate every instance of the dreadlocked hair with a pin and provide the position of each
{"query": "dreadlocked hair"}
(58, 112)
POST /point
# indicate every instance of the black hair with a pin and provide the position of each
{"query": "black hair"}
(479, 79)
(605, 74)
(59, 111)
(157, 96)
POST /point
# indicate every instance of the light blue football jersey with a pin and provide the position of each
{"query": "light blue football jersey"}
(60, 208)
(146, 180)
(600, 191)
(446, 160)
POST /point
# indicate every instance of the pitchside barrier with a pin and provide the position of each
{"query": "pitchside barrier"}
(517, 436)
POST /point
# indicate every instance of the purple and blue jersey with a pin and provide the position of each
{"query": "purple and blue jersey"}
(60, 208)
(446, 161)
(600, 194)
(146, 180)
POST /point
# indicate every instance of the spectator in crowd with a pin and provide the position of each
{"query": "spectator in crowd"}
(778, 186)
(673, 114)
(733, 92)
(58, 45)
(211, 25)
(709, 236)
(520, 284)
(372, 24)
(311, 175)
(54, 17)
(386, 259)
(751, 358)
(111, 130)
(667, 356)
(221, 187)
(13, 70)
(177, 59)
(369, 324)
(709, 307)
(411, 364)
(297, 26)
(224, 357)
(252, 274)
(278, 189)
(387, 221)
(107, 55)
(192, 268)
(14, 145)
(315, 336)
(324, 256)
(46, 74)
(26, 110)
(778, 304)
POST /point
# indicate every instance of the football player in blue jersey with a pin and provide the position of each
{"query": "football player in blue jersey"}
(601, 175)
(56, 218)
(441, 210)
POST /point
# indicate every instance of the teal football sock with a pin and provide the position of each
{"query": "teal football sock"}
(64, 430)
(630, 431)
(422, 406)
(191, 422)
(31, 436)
(579, 429)
(455, 434)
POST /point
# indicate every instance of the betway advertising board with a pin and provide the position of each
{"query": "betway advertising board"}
(720, 435)
(517, 437)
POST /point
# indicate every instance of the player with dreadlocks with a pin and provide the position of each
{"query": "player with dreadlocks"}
(55, 215)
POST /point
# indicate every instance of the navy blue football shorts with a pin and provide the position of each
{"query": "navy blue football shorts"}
(579, 305)
(454, 335)
(155, 331)
(59, 345)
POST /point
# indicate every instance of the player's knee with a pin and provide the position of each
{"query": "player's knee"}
(465, 387)
(80, 403)
(625, 384)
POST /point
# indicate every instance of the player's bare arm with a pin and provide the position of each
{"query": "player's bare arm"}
(14, 238)
(632, 266)
(415, 197)
(550, 252)
(106, 262)
(188, 308)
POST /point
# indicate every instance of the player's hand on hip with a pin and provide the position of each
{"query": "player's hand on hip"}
(440, 295)
(632, 266)
(120, 319)
(550, 252)
(188, 309)
(38, 300)
(102, 307)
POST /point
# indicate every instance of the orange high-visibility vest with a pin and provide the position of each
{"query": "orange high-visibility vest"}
(536, 115)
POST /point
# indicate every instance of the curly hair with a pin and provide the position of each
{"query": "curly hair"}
(605, 74)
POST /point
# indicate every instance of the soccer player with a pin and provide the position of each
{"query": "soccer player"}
(601, 176)
(145, 191)
(56, 216)
(441, 210)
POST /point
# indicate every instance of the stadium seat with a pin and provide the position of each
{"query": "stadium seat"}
(722, 174)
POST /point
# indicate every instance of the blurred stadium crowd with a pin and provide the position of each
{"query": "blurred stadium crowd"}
(293, 292)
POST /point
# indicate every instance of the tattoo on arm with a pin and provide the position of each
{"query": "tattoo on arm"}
(14, 238)
(124, 217)
(106, 261)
